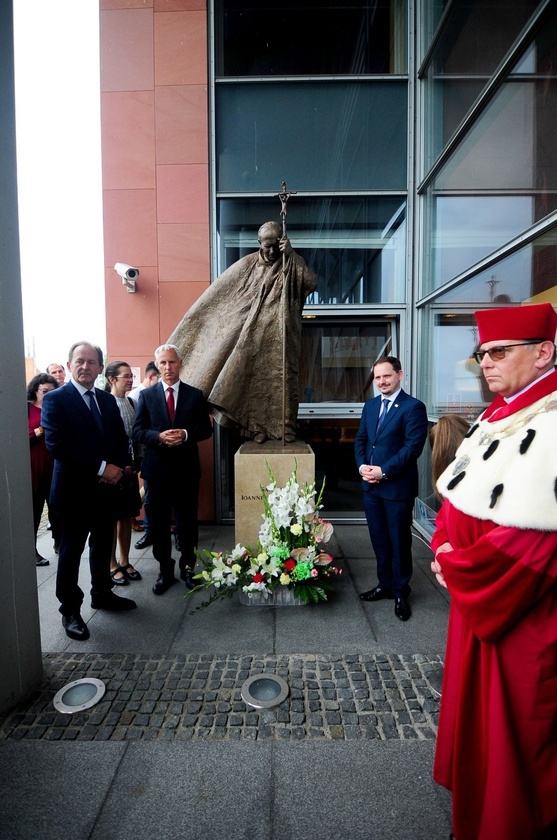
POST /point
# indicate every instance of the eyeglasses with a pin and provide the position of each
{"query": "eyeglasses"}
(45, 390)
(125, 376)
(498, 353)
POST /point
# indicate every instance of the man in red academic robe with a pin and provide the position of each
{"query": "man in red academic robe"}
(496, 551)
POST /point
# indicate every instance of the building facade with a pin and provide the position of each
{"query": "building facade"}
(416, 138)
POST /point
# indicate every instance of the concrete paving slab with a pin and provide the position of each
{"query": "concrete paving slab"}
(50, 791)
(189, 792)
(270, 791)
(375, 790)
(337, 626)
(353, 541)
(426, 629)
(223, 626)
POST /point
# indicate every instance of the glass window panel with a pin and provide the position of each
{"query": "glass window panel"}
(511, 144)
(509, 149)
(468, 228)
(477, 35)
(500, 150)
(522, 276)
(316, 135)
(336, 359)
(456, 382)
(355, 245)
(430, 14)
(475, 39)
(266, 37)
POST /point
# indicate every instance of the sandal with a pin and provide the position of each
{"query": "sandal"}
(133, 575)
(123, 581)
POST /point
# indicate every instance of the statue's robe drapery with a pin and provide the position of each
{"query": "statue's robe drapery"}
(497, 739)
(231, 343)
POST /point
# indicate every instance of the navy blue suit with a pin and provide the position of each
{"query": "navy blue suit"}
(172, 472)
(84, 506)
(395, 447)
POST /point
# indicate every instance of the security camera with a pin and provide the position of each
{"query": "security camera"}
(128, 273)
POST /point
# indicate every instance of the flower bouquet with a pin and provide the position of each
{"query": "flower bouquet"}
(290, 551)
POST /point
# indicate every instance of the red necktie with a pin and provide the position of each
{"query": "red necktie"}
(170, 404)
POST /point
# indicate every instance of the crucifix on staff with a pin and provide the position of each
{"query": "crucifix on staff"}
(283, 196)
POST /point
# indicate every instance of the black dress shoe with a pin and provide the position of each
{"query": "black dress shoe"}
(112, 602)
(41, 561)
(376, 594)
(402, 609)
(75, 627)
(187, 576)
(162, 584)
(144, 541)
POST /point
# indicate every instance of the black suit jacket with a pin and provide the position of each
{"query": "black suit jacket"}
(395, 446)
(151, 418)
(78, 445)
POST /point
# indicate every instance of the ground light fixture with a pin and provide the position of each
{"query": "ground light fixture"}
(264, 691)
(79, 695)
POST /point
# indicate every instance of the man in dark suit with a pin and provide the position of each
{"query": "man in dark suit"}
(171, 418)
(85, 435)
(390, 438)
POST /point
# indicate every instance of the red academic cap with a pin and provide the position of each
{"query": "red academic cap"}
(518, 323)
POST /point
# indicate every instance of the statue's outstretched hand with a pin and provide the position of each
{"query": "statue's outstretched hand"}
(285, 246)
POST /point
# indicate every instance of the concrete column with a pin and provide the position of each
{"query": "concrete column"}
(20, 637)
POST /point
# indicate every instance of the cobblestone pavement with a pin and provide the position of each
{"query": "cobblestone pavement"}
(197, 697)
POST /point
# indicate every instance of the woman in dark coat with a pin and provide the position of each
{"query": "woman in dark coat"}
(42, 462)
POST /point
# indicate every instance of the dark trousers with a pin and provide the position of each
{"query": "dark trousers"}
(178, 498)
(147, 508)
(94, 518)
(389, 523)
(40, 496)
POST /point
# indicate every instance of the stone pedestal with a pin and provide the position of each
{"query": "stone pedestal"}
(251, 474)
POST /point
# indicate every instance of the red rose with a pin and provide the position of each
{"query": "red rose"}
(289, 565)
(258, 578)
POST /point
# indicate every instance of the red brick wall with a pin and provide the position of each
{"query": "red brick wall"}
(155, 153)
